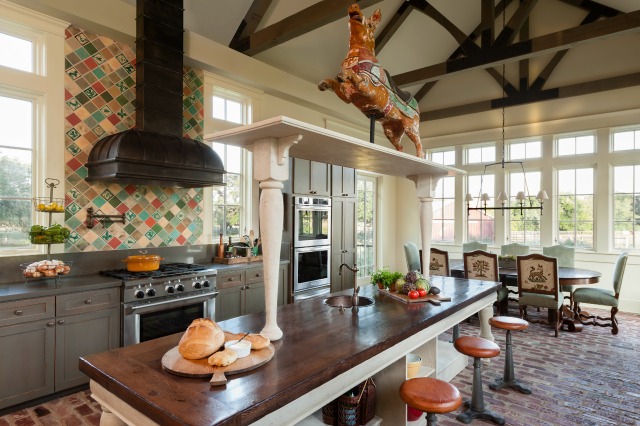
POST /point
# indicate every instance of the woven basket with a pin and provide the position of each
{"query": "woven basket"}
(330, 413)
(368, 401)
(349, 410)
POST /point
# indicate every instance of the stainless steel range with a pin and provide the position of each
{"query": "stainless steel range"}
(163, 302)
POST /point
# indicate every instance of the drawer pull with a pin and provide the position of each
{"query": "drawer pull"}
(61, 322)
(88, 302)
(247, 287)
(50, 324)
(18, 312)
(258, 275)
(231, 279)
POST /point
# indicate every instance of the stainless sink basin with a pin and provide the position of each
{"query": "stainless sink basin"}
(345, 301)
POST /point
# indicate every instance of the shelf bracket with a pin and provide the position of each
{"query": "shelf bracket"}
(103, 218)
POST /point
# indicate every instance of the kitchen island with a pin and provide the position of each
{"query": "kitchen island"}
(323, 353)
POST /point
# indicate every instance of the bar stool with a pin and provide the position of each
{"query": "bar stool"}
(433, 396)
(508, 379)
(478, 348)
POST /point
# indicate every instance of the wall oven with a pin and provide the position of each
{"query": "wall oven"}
(311, 221)
(311, 269)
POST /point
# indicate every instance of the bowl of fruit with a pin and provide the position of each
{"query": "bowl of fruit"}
(45, 268)
(55, 205)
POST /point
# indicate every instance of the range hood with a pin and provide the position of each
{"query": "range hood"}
(155, 153)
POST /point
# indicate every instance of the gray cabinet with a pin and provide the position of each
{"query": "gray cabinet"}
(311, 177)
(343, 181)
(343, 242)
(41, 340)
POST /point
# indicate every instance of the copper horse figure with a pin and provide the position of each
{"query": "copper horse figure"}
(363, 82)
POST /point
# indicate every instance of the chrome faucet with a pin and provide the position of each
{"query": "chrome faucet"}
(356, 289)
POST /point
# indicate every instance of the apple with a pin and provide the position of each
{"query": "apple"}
(413, 294)
(422, 292)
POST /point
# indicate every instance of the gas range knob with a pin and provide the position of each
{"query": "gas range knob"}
(139, 294)
(180, 287)
(197, 285)
(170, 289)
(206, 283)
(151, 292)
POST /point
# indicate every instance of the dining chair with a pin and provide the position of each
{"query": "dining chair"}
(565, 256)
(474, 245)
(539, 286)
(601, 296)
(439, 262)
(514, 249)
(482, 265)
(412, 255)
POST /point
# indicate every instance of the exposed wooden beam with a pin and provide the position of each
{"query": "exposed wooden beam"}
(487, 22)
(311, 18)
(523, 65)
(251, 20)
(392, 26)
(580, 89)
(508, 33)
(548, 43)
(593, 6)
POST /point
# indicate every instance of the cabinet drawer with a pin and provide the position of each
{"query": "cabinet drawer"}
(87, 301)
(230, 279)
(21, 311)
(255, 275)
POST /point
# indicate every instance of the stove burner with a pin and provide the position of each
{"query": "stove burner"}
(165, 270)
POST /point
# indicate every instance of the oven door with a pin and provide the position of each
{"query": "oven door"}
(311, 268)
(146, 321)
(312, 226)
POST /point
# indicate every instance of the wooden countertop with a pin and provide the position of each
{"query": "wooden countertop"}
(319, 343)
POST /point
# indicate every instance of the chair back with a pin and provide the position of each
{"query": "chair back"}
(618, 272)
(564, 254)
(412, 255)
(538, 273)
(481, 265)
(439, 262)
(473, 245)
(514, 249)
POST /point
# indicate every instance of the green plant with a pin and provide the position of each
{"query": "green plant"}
(506, 257)
(385, 277)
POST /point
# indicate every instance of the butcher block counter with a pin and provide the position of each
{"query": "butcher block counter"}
(323, 353)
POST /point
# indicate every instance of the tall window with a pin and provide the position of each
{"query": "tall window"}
(626, 207)
(365, 225)
(481, 225)
(227, 206)
(444, 210)
(524, 226)
(575, 144)
(575, 207)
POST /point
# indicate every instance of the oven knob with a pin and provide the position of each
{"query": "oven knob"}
(139, 294)
(151, 292)
(170, 289)
(206, 283)
(180, 287)
(197, 285)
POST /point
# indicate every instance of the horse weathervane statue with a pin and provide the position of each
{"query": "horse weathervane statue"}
(364, 83)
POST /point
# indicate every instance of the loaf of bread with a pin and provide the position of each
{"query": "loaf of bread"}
(223, 358)
(202, 338)
(258, 341)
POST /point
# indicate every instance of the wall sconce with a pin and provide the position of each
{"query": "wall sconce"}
(103, 218)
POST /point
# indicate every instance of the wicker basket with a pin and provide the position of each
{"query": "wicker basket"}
(349, 410)
(330, 413)
(368, 401)
(353, 410)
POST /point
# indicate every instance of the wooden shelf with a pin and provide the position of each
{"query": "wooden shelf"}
(316, 420)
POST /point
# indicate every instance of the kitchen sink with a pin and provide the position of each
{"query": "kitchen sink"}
(345, 301)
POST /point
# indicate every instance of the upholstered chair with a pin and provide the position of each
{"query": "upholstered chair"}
(565, 256)
(474, 245)
(439, 263)
(601, 296)
(514, 249)
(481, 265)
(412, 255)
(539, 286)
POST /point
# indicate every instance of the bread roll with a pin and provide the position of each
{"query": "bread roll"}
(223, 358)
(258, 341)
(202, 338)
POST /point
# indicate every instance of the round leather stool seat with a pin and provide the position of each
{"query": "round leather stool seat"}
(430, 395)
(476, 347)
(509, 323)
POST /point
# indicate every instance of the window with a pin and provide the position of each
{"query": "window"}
(524, 225)
(448, 157)
(481, 225)
(575, 207)
(524, 150)
(575, 145)
(626, 140)
(626, 207)
(444, 210)
(16, 52)
(365, 225)
(227, 205)
(481, 154)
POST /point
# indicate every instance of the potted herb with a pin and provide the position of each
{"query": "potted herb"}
(384, 278)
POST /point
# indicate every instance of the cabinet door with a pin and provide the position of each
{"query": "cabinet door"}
(301, 176)
(82, 335)
(254, 300)
(343, 181)
(283, 285)
(229, 302)
(343, 245)
(27, 354)
(320, 179)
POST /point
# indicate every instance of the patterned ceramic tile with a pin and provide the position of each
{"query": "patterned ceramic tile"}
(99, 100)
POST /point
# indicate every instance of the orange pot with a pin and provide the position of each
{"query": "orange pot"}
(143, 263)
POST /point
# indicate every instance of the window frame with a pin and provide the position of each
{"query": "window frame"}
(478, 203)
(363, 277)
(442, 220)
(575, 195)
(526, 214)
(574, 135)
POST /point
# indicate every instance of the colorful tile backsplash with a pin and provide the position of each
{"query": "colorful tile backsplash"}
(99, 100)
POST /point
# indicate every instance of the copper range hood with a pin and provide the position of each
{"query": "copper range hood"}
(155, 153)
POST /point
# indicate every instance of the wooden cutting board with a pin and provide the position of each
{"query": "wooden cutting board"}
(174, 363)
(405, 298)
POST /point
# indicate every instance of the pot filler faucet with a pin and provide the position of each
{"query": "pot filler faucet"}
(356, 289)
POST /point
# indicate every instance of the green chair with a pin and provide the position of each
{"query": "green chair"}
(474, 245)
(539, 286)
(412, 255)
(514, 249)
(601, 296)
(565, 256)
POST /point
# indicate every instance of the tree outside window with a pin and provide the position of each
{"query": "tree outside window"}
(626, 207)
(227, 206)
(524, 226)
(575, 207)
(365, 225)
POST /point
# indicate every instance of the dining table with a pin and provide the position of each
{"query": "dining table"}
(566, 276)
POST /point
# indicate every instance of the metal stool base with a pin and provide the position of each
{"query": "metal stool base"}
(470, 414)
(500, 383)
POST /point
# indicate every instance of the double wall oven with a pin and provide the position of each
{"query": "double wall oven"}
(311, 246)
(166, 301)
